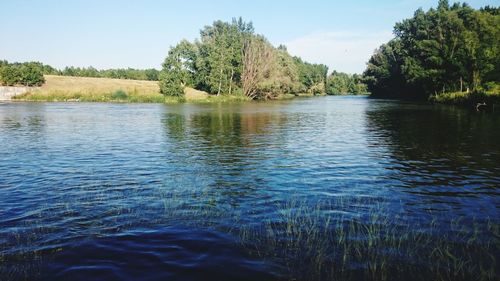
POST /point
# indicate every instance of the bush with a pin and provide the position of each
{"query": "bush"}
(119, 95)
(27, 74)
(31, 74)
(9, 75)
(170, 84)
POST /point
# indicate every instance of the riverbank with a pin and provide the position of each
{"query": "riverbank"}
(87, 89)
(468, 99)
(7, 92)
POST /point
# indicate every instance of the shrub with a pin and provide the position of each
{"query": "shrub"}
(27, 74)
(31, 74)
(9, 75)
(119, 95)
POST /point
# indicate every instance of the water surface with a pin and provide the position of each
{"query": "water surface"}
(181, 192)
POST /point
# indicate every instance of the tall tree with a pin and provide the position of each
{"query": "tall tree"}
(451, 48)
(178, 69)
(258, 64)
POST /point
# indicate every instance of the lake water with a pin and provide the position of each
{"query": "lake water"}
(251, 191)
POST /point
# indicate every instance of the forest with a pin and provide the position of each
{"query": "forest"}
(150, 74)
(339, 83)
(453, 48)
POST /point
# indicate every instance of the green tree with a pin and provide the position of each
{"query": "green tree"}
(178, 69)
(152, 74)
(383, 74)
(27, 74)
(31, 74)
(451, 48)
(229, 58)
(10, 75)
(221, 59)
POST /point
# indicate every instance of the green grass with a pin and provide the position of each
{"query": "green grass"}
(222, 99)
(469, 99)
(123, 96)
(115, 96)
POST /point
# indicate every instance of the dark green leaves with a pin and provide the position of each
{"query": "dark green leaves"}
(25, 74)
(442, 50)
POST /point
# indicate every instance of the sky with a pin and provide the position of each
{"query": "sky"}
(139, 33)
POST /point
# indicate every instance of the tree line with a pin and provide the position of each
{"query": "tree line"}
(450, 48)
(31, 73)
(150, 74)
(230, 58)
(339, 83)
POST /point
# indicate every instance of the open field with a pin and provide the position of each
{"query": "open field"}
(66, 88)
(85, 89)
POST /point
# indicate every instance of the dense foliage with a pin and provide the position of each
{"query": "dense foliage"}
(339, 83)
(230, 59)
(448, 49)
(26, 74)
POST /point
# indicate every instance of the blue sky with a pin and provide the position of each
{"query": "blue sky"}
(123, 33)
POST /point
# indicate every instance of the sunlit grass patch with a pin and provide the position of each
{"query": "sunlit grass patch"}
(468, 98)
(85, 89)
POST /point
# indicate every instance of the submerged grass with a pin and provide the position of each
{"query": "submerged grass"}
(335, 239)
(314, 245)
(356, 239)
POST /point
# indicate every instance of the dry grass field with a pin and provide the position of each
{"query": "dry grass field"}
(102, 85)
(86, 89)
(67, 88)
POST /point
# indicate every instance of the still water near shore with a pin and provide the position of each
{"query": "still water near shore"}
(248, 191)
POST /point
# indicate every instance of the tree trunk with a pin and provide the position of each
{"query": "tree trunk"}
(476, 79)
(231, 81)
(220, 82)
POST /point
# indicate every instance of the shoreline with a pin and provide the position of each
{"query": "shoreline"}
(89, 89)
(470, 99)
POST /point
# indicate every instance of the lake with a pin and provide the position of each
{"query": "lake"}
(306, 189)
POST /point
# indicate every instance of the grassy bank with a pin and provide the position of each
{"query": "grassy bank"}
(85, 89)
(491, 98)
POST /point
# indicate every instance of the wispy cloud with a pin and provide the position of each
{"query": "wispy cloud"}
(346, 51)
